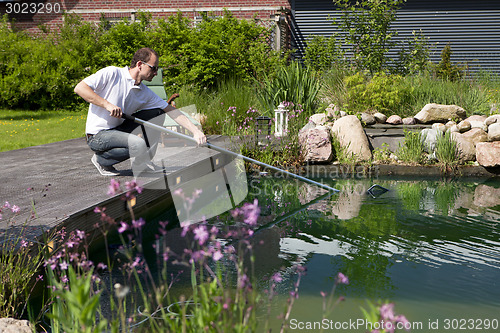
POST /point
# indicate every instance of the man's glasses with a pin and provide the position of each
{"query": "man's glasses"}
(153, 68)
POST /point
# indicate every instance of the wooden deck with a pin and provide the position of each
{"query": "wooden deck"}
(56, 185)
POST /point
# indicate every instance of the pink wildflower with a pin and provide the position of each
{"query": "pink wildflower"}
(341, 279)
(114, 187)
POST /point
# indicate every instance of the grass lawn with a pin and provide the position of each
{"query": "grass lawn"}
(24, 128)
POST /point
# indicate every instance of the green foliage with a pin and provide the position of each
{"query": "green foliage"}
(382, 92)
(283, 151)
(447, 150)
(36, 72)
(382, 155)
(413, 55)
(323, 53)
(75, 304)
(445, 69)
(412, 148)
(42, 72)
(293, 83)
(474, 98)
(216, 48)
(20, 261)
(367, 28)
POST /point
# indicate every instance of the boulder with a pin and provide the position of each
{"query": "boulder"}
(368, 119)
(492, 119)
(380, 117)
(439, 126)
(318, 118)
(488, 154)
(450, 124)
(352, 137)
(463, 126)
(432, 113)
(429, 138)
(409, 121)
(476, 135)
(454, 129)
(315, 144)
(10, 325)
(477, 121)
(494, 132)
(466, 149)
(394, 120)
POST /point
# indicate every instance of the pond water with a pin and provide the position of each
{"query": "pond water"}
(430, 246)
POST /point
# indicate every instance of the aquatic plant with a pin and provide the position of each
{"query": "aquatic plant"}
(411, 150)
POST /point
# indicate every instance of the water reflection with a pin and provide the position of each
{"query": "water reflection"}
(433, 246)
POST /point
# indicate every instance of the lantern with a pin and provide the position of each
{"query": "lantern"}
(281, 118)
(262, 130)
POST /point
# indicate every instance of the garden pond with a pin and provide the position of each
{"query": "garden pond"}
(430, 246)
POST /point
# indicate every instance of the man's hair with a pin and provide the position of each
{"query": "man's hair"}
(143, 55)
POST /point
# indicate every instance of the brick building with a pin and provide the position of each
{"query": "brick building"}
(30, 14)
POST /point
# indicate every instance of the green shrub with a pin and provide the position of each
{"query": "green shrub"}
(323, 53)
(215, 49)
(445, 69)
(36, 72)
(381, 93)
(367, 28)
(413, 55)
(42, 72)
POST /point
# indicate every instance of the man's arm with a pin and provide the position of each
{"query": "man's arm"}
(184, 121)
(84, 91)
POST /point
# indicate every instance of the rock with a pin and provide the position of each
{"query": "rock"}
(450, 124)
(466, 149)
(315, 144)
(318, 118)
(454, 129)
(380, 117)
(429, 138)
(476, 135)
(477, 121)
(486, 196)
(352, 137)
(492, 119)
(463, 126)
(409, 121)
(394, 120)
(368, 119)
(494, 132)
(432, 113)
(440, 127)
(342, 114)
(9, 325)
(488, 154)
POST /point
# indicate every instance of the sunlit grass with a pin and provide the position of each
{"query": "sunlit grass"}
(24, 128)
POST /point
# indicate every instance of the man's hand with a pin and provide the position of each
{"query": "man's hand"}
(200, 137)
(114, 110)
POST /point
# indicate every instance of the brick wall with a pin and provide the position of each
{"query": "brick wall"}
(28, 16)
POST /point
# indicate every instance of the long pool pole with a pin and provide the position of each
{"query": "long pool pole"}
(229, 152)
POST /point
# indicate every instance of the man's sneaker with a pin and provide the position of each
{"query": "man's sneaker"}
(104, 170)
